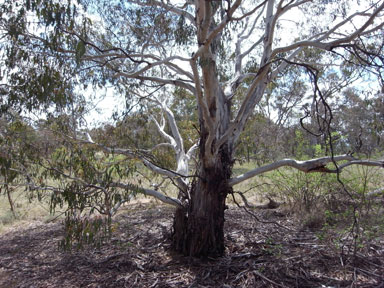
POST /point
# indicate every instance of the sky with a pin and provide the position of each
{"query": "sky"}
(109, 102)
(106, 103)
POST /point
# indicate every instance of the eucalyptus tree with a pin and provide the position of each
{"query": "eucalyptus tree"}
(15, 151)
(225, 53)
(363, 133)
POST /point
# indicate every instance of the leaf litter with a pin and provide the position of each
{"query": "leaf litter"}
(139, 254)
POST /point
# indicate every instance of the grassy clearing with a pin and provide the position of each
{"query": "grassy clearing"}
(320, 203)
(316, 199)
(253, 188)
(26, 209)
(288, 184)
(29, 208)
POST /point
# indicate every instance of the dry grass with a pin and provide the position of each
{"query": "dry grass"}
(257, 190)
(26, 210)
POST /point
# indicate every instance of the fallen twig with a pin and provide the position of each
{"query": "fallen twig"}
(257, 218)
(257, 273)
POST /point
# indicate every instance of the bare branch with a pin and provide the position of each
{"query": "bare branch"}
(157, 146)
(137, 155)
(240, 55)
(256, 90)
(176, 82)
(314, 165)
(174, 129)
(329, 45)
(253, 95)
(149, 192)
(133, 74)
(161, 130)
(360, 162)
(249, 13)
(192, 150)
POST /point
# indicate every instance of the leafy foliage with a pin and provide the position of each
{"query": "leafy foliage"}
(159, 56)
(41, 84)
(81, 232)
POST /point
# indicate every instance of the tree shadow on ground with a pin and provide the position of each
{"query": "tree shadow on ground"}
(139, 255)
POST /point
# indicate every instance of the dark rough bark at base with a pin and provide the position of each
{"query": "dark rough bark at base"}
(199, 229)
(180, 229)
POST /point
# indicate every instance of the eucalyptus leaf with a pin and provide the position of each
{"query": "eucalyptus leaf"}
(80, 51)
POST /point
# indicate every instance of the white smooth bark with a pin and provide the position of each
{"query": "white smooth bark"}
(201, 79)
(149, 192)
(180, 178)
(313, 165)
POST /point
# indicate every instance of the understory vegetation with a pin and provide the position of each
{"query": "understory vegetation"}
(339, 210)
(202, 110)
(316, 222)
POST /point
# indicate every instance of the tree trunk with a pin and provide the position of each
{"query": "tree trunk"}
(10, 201)
(199, 228)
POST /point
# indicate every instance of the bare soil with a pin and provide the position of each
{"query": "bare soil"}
(139, 255)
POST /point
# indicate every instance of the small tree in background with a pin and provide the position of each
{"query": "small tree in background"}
(227, 54)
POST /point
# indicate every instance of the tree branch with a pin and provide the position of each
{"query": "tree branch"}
(329, 45)
(359, 162)
(176, 82)
(149, 192)
(314, 165)
(170, 8)
(153, 167)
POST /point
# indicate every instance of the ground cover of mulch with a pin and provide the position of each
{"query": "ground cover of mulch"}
(139, 255)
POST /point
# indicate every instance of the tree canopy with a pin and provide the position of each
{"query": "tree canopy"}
(210, 67)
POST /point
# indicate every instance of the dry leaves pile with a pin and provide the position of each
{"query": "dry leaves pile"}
(139, 255)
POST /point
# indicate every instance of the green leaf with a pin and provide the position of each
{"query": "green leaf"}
(80, 51)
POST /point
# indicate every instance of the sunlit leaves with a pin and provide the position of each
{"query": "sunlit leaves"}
(36, 75)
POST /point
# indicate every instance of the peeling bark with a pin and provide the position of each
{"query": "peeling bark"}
(199, 229)
(199, 218)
